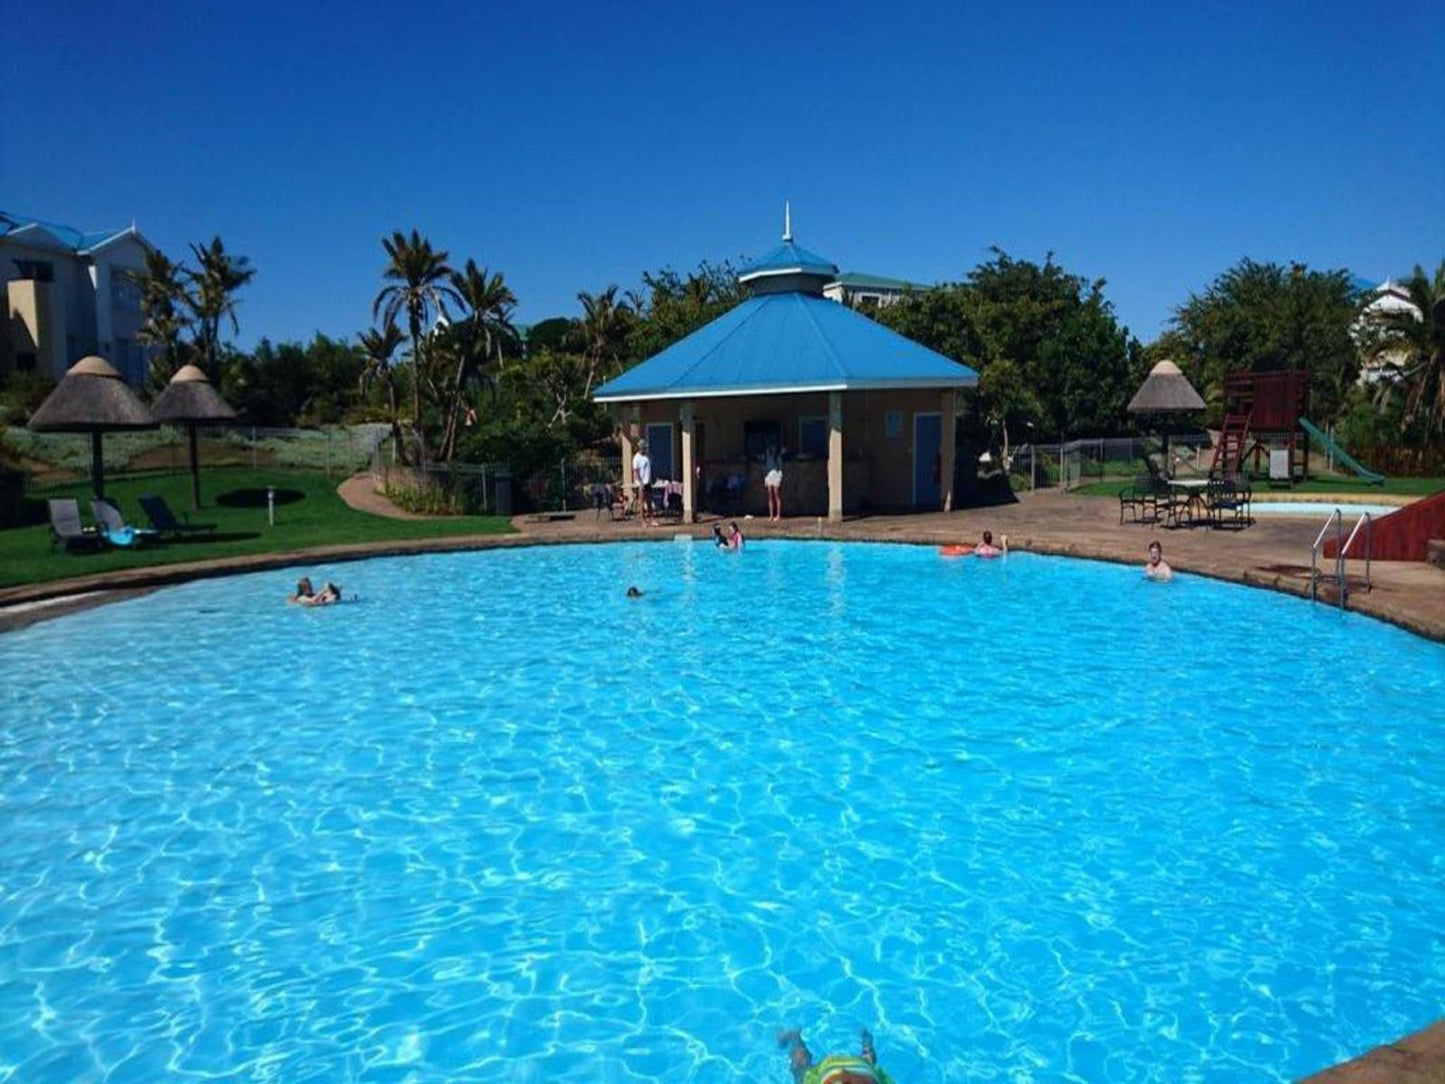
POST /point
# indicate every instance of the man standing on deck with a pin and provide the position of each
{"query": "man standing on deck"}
(642, 479)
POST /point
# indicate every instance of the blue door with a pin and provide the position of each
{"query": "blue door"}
(659, 450)
(927, 445)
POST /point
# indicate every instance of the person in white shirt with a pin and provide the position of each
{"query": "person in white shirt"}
(773, 482)
(642, 479)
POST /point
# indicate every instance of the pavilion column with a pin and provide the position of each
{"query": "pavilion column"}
(949, 443)
(689, 482)
(835, 457)
(626, 427)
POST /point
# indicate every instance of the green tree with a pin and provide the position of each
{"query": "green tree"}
(476, 346)
(1066, 360)
(670, 307)
(164, 304)
(418, 282)
(215, 281)
(378, 348)
(1263, 317)
(1413, 345)
(603, 333)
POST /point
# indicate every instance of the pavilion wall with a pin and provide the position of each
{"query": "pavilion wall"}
(878, 457)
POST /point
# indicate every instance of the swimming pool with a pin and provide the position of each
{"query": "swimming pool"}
(1319, 509)
(1030, 819)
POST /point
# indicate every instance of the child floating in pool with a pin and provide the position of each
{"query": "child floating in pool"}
(306, 595)
(1156, 568)
(986, 548)
(719, 539)
(835, 1068)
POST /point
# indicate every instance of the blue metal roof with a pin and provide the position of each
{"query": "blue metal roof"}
(789, 257)
(71, 238)
(787, 342)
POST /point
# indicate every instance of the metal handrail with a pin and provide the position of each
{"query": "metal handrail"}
(1367, 521)
(1334, 521)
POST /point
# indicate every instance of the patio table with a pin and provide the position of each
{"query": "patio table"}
(1193, 490)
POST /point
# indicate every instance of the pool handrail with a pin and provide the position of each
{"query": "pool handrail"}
(1342, 549)
(1366, 521)
(1332, 521)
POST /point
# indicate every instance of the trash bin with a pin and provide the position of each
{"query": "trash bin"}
(504, 492)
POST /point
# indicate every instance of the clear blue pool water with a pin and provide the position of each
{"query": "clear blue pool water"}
(1028, 820)
(1320, 509)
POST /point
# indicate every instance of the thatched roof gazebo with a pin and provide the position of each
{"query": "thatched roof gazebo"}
(190, 400)
(91, 398)
(1166, 393)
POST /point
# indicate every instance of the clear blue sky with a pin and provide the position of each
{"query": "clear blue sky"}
(575, 145)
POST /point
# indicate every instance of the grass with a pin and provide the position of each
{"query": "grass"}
(1402, 487)
(308, 513)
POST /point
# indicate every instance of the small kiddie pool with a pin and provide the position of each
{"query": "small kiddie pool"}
(1318, 508)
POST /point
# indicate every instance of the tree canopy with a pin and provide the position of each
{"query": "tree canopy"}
(1049, 352)
(1263, 317)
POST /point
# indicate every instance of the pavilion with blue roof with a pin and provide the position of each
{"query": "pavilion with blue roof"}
(864, 417)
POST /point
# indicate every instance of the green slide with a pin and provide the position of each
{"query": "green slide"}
(1325, 441)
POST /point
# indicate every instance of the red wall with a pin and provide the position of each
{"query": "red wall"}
(1402, 535)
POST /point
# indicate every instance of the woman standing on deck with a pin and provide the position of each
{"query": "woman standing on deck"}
(773, 482)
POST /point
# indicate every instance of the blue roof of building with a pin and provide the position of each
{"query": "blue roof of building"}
(69, 236)
(789, 257)
(787, 342)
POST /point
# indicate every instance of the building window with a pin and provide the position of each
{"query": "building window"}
(124, 292)
(36, 270)
(759, 436)
(813, 437)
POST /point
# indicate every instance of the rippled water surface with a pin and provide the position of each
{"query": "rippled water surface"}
(1028, 820)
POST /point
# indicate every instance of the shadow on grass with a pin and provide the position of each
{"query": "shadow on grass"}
(256, 498)
(32, 513)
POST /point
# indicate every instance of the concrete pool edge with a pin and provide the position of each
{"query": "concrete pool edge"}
(123, 583)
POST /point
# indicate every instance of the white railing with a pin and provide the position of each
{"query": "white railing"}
(1342, 549)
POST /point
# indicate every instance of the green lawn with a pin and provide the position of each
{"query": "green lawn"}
(1405, 487)
(308, 513)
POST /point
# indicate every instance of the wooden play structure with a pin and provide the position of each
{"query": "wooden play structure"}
(1264, 417)
(1261, 410)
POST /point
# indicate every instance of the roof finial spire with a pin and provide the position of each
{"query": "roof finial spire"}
(787, 221)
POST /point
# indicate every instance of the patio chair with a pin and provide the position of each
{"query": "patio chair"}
(1229, 501)
(164, 521)
(1137, 498)
(115, 529)
(66, 530)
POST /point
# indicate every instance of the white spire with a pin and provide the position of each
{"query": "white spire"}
(787, 221)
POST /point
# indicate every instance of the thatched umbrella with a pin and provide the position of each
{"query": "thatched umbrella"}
(91, 398)
(1166, 392)
(189, 398)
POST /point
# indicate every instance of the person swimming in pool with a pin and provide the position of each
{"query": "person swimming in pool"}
(735, 537)
(1155, 568)
(719, 539)
(861, 1068)
(634, 592)
(986, 548)
(306, 595)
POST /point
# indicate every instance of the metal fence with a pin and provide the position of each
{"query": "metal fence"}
(337, 451)
(568, 484)
(1080, 462)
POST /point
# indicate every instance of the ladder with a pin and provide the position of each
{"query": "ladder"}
(1342, 549)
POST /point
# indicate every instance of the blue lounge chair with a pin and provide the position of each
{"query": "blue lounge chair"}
(116, 530)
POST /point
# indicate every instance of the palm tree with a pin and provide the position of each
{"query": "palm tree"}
(1413, 343)
(163, 310)
(605, 324)
(379, 346)
(480, 340)
(217, 277)
(416, 279)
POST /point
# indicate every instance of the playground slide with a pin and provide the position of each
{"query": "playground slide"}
(1325, 441)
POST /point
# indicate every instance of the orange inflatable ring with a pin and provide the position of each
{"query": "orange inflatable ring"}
(954, 551)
